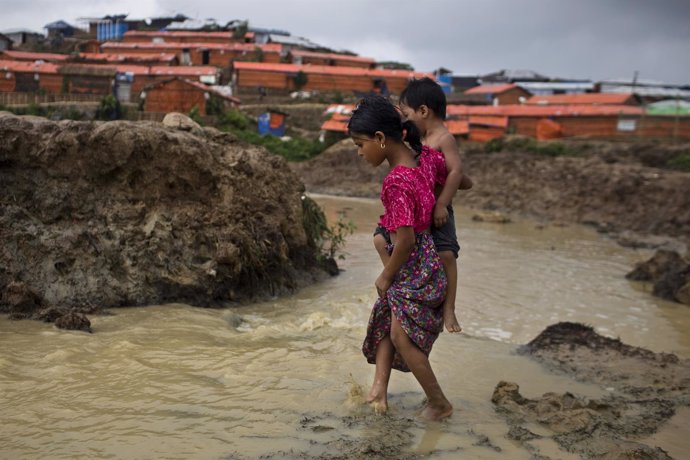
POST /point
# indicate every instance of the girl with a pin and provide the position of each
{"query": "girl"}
(407, 317)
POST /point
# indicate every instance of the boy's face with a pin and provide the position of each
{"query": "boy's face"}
(415, 116)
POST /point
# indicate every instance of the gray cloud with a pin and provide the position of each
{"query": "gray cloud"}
(584, 39)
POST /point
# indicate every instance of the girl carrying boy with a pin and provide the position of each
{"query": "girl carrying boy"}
(407, 316)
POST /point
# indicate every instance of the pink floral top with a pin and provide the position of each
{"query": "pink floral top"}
(408, 200)
(433, 163)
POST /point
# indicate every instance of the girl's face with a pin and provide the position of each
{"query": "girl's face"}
(369, 148)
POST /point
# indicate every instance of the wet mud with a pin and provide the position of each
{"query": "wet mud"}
(125, 214)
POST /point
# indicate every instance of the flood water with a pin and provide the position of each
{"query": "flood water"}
(283, 378)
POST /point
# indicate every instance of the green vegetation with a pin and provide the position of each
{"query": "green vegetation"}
(295, 149)
(215, 106)
(64, 88)
(32, 109)
(109, 109)
(531, 145)
(258, 54)
(300, 80)
(329, 240)
(195, 116)
(680, 162)
(241, 30)
(234, 119)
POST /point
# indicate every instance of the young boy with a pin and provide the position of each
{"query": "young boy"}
(424, 103)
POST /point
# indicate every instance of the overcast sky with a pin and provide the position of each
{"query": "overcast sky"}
(595, 39)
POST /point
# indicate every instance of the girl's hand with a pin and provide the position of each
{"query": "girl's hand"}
(383, 283)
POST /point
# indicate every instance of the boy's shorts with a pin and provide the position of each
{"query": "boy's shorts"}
(445, 238)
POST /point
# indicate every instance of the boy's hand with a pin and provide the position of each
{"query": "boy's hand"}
(440, 215)
(382, 284)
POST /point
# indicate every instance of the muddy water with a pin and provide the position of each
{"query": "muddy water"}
(284, 378)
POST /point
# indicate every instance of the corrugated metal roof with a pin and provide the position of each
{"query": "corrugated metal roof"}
(329, 70)
(31, 56)
(269, 47)
(27, 66)
(334, 56)
(516, 110)
(178, 33)
(120, 57)
(535, 87)
(195, 84)
(490, 89)
(189, 71)
(293, 41)
(585, 99)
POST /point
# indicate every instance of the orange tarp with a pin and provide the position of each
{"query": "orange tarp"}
(548, 129)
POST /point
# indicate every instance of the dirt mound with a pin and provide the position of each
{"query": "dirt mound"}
(591, 428)
(611, 185)
(645, 389)
(669, 273)
(121, 214)
(578, 350)
(339, 171)
(614, 197)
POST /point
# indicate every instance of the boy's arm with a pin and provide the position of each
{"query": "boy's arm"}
(380, 245)
(449, 148)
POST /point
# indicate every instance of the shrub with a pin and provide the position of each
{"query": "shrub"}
(194, 115)
(300, 80)
(494, 145)
(109, 109)
(680, 162)
(235, 119)
(329, 240)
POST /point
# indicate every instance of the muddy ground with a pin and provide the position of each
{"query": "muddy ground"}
(645, 389)
(619, 187)
(96, 215)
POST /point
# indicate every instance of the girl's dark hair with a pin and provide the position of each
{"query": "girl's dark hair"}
(425, 91)
(376, 113)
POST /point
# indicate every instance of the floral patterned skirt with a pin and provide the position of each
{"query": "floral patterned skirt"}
(415, 298)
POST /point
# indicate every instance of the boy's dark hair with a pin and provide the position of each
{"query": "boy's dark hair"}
(376, 113)
(425, 91)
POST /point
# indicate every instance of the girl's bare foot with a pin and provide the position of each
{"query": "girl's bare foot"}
(378, 401)
(436, 413)
(450, 321)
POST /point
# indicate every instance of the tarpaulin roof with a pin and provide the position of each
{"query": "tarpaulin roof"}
(328, 70)
(584, 98)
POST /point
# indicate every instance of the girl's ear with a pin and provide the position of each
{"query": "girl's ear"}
(380, 137)
(423, 111)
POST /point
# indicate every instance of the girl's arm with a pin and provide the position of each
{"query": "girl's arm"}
(404, 244)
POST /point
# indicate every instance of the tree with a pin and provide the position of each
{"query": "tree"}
(300, 80)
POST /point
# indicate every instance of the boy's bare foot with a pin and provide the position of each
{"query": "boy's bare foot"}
(450, 321)
(437, 413)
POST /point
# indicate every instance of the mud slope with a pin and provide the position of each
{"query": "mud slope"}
(121, 213)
